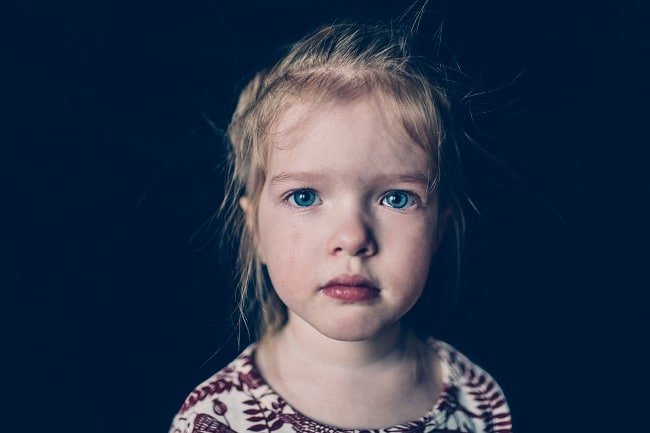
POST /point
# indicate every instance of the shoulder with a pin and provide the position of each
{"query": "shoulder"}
(226, 383)
(470, 390)
(218, 403)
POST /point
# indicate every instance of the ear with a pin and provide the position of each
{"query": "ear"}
(244, 204)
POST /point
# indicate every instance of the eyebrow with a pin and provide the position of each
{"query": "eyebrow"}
(295, 177)
(284, 177)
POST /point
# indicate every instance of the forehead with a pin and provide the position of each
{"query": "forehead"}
(364, 134)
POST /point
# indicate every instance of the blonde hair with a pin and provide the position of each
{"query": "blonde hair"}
(339, 62)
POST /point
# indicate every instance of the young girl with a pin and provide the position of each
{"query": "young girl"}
(345, 181)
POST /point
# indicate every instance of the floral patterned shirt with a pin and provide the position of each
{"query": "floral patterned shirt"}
(238, 400)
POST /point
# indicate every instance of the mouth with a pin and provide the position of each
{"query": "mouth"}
(350, 288)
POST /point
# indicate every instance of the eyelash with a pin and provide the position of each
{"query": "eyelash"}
(413, 200)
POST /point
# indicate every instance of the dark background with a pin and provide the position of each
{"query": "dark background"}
(117, 295)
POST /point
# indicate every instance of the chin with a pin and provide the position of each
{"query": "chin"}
(351, 332)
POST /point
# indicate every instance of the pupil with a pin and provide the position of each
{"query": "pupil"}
(397, 200)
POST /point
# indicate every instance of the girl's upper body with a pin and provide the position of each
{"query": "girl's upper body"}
(239, 399)
(344, 169)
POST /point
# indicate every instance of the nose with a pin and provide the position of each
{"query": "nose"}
(353, 236)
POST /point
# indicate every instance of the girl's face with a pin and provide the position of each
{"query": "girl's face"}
(345, 224)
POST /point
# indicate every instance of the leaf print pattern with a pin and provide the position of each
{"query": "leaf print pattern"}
(238, 400)
(204, 423)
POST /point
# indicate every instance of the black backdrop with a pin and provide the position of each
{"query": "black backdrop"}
(113, 314)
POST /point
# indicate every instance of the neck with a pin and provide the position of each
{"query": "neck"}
(303, 344)
(386, 379)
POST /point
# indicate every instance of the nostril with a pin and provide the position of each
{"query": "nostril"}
(358, 252)
(352, 238)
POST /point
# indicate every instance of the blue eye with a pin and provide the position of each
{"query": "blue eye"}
(303, 198)
(398, 199)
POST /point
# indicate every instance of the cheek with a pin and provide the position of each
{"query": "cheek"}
(283, 245)
(411, 250)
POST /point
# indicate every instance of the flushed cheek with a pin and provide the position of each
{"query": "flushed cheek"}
(409, 254)
(287, 260)
(408, 267)
(292, 267)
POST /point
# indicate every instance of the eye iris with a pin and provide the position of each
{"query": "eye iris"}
(397, 199)
(304, 198)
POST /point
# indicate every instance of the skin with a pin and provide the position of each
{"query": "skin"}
(370, 216)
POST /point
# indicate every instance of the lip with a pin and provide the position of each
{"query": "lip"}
(350, 288)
